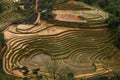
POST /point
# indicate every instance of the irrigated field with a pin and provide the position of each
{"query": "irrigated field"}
(87, 51)
(77, 49)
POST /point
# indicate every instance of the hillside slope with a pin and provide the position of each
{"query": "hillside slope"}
(86, 48)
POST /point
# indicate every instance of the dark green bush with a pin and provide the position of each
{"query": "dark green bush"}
(2, 41)
(113, 21)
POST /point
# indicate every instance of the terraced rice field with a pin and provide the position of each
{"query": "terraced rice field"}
(80, 13)
(84, 51)
(77, 49)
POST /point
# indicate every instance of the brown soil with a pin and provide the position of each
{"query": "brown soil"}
(69, 18)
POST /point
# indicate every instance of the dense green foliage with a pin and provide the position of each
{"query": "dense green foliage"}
(1, 8)
(46, 5)
(2, 42)
(113, 21)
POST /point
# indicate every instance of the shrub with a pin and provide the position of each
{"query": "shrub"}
(113, 21)
(2, 41)
(117, 40)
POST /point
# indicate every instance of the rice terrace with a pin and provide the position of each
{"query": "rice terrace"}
(68, 41)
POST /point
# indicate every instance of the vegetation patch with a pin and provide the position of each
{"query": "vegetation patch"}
(67, 24)
(71, 6)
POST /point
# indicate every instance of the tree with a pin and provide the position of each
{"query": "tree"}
(52, 67)
(113, 21)
(39, 77)
(25, 78)
(2, 41)
(117, 40)
(58, 71)
(1, 8)
(103, 3)
(46, 7)
(35, 71)
(66, 73)
(70, 76)
(46, 4)
(113, 9)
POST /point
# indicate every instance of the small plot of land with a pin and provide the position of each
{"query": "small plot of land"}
(69, 18)
(72, 5)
